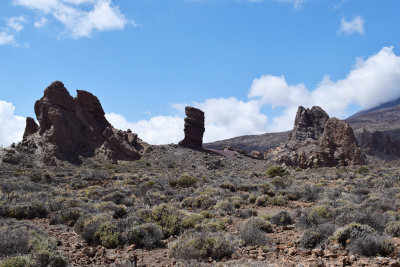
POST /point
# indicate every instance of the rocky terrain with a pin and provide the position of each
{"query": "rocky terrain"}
(377, 131)
(78, 192)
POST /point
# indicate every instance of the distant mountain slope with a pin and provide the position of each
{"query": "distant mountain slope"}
(261, 142)
(384, 118)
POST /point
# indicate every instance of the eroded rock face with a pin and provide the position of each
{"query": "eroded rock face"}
(309, 123)
(194, 128)
(30, 128)
(72, 127)
(318, 141)
(378, 144)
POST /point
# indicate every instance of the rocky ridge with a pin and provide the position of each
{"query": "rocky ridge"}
(70, 127)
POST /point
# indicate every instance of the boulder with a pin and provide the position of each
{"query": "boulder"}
(318, 141)
(194, 128)
(71, 127)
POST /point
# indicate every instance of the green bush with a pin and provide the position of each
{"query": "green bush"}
(351, 232)
(185, 180)
(146, 235)
(203, 245)
(393, 228)
(168, 218)
(310, 239)
(87, 226)
(108, 235)
(277, 171)
(282, 218)
(13, 242)
(14, 262)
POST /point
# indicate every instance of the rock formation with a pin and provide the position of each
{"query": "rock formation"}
(378, 144)
(309, 123)
(30, 128)
(194, 128)
(73, 127)
(318, 141)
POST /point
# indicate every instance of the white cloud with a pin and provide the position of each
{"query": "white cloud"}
(12, 126)
(224, 118)
(356, 25)
(81, 18)
(40, 23)
(16, 23)
(6, 38)
(157, 130)
(371, 82)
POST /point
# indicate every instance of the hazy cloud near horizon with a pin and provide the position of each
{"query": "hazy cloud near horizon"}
(372, 81)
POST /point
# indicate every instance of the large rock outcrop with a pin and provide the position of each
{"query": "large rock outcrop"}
(71, 127)
(318, 141)
(194, 128)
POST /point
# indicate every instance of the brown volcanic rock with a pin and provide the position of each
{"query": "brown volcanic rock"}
(378, 143)
(30, 128)
(194, 128)
(72, 127)
(338, 145)
(318, 141)
(309, 123)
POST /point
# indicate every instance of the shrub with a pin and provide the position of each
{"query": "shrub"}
(34, 210)
(393, 228)
(231, 187)
(247, 213)
(204, 202)
(87, 227)
(203, 245)
(108, 235)
(115, 197)
(252, 232)
(281, 182)
(277, 171)
(282, 218)
(147, 235)
(168, 218)
(70, 216)
(14, 262)
(351, 232)
(185, 180)
(262, 200)
(252, 198)
(310, 239)
(224, 205)
(13, 242)
(371, 245)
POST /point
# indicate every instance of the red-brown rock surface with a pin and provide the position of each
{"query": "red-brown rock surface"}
(30, 128)
(318, 141)
(72, 127)
(194, 128)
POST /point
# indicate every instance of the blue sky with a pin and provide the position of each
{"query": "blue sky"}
(247, 63)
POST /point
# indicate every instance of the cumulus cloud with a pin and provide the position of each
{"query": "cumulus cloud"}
(356, 25)
(157, 130)
(40, 23)
(12, 126)
(6, 38)
(81, 18)
(16, 23)
(225, 118)
(372, 81)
